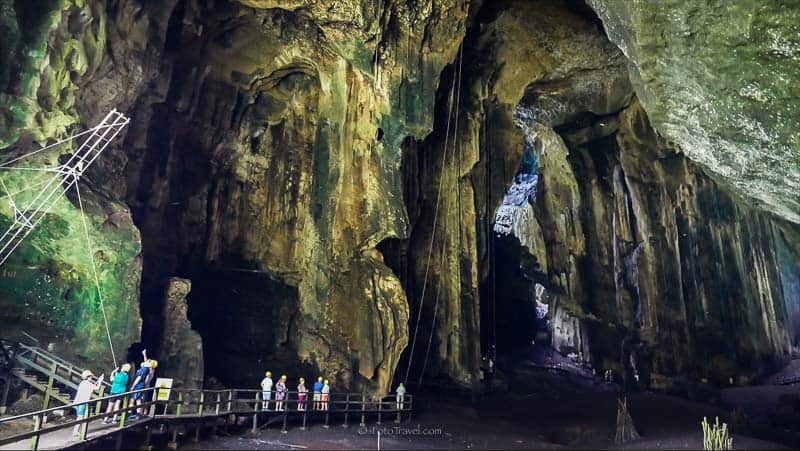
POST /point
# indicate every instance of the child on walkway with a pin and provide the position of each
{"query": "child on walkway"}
(301, 394)
(280, 393)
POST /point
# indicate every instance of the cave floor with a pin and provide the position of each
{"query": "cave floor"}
(510, 422)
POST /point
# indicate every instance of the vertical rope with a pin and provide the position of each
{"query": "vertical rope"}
(433, 236)
(94, 272)
(444, 244)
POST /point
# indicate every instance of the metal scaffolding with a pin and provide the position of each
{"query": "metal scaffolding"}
(64, 177)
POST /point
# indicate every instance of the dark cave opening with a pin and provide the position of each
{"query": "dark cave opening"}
(508, 306)
(245, 318)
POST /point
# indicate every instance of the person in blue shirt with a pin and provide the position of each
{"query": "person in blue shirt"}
(318, 393)
(119, 385)
(138, 384)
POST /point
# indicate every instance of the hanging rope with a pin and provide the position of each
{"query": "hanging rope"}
(491, 308)
(57, 143)
(94, 272)
(433, 236)
(458, 191)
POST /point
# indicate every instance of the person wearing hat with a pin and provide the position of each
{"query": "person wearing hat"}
(83, 395)
(301, 394)
(139, 381)
(401, 394)
(280, 392)
(266, 390)
(325, 393)
(317, 393)
(119, 385)
(148, 381)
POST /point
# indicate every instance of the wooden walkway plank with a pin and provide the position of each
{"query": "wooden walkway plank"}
(63, 438)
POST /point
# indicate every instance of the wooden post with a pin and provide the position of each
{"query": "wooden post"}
(148, 436)
(180, 404)
(118, 441)
(154, 399)
(285, 417)
(305, 414)
(37, 424)
(4, 397)
(98, 404)
(49, 391)
(202, 402)
(363, 410)
(346, 409)
(173, 444)
(124, 412)
(84, 429)
(399, 406)
(327, 406)
(230, 400)
(216, 407)
(255, 413)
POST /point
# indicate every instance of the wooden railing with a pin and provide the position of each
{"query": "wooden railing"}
(39, 418)
(47, 363)
(188, 404)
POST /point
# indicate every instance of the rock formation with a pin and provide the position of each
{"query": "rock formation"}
(314, 167)
(650, 265)
(718, 79)
(181, 347)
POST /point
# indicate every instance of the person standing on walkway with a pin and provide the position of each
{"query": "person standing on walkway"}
(83, 395)
(138, 384)
(401, 393)
(325, 392)
(151, 375)
(266, 390)
(301, 394)
(119, 385)
(317, 393)
(280, 393)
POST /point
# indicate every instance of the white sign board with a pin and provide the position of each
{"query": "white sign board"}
(163, 388)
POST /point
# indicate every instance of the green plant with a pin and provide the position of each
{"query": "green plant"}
(715, 437)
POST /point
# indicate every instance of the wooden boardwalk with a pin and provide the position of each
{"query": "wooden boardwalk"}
(63, 438)
(188, 410)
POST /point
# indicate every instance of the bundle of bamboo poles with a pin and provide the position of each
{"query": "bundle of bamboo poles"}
(715, 437)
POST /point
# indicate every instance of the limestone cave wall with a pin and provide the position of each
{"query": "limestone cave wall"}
(324, 175)
(649, 264)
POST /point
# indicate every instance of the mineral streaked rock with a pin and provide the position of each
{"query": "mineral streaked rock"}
(720, 79)
(181, 349)
(641, 247)
(284, 159)
(528, 51)
(649, 216)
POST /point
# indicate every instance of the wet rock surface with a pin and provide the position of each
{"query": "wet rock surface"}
(718, 79)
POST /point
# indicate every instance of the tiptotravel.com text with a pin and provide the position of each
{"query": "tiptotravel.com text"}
(400, 430)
